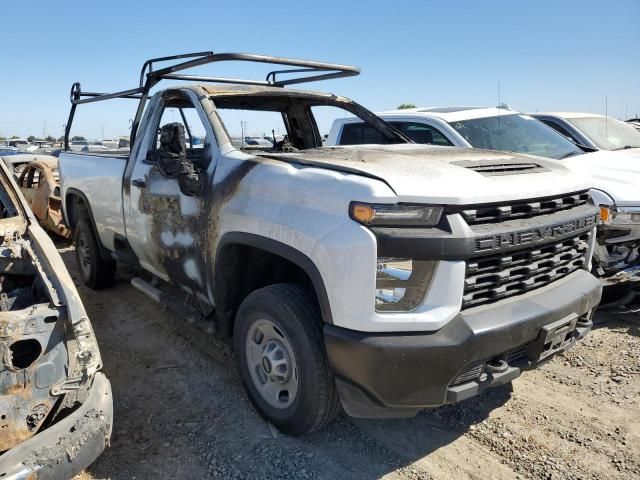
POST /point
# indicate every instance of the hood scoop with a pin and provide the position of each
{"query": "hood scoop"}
(490, 168)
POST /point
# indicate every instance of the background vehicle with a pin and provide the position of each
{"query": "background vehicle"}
(634, 122)
(40, 185)
(615, 175)
(55, 403)
(94, 148)
(498, 128)
(386, 278)
(78, 145)
(595, 131)
(22, 144)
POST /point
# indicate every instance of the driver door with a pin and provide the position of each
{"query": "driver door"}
(167, 228)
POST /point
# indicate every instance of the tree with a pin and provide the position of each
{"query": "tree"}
(404, 106)
(14, 136)
(77, 138)
(50, 139)
(30, 138)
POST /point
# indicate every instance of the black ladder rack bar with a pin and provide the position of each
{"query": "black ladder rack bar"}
(150, 77)
(197, 78)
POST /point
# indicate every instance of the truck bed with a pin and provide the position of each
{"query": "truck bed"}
(98, 176)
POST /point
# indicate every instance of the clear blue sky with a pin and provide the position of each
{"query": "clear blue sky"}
(547, 55)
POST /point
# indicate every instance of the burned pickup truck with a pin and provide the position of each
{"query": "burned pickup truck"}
(384, 278)
(55, 404)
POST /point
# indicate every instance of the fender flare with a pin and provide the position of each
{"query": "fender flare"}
(282, 250)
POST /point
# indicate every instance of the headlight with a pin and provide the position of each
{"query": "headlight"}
(619, 216)
(395, 215)
(402, 285)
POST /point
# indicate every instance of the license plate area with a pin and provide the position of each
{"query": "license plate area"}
(553, 338)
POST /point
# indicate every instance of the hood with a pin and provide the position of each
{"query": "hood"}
(447, 175)
(615, 172)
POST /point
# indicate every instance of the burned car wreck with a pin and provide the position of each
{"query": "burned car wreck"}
(55, 404)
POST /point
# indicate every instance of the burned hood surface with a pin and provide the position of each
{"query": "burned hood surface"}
(445, 174)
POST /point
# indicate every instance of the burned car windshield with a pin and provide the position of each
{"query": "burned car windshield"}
(278, 123)
(515, 133)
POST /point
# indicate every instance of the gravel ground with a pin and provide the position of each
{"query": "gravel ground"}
(181, 412)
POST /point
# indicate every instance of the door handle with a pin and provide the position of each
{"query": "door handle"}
(139, 182)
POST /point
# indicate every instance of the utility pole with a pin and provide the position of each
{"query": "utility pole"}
(243, 127)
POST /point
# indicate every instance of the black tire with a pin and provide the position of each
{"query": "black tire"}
(296, 314)
(96, 272)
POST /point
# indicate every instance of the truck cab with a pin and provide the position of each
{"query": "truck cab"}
(383, 279)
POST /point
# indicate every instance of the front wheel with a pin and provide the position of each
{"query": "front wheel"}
(96, 272)
(279, 350)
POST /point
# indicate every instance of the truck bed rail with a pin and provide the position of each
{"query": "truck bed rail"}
(307, 71)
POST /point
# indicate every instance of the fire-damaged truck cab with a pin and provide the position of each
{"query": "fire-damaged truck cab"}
(55, 404)
(384, 278)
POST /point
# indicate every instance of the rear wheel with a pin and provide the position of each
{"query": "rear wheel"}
(96, 272)
(280, 355)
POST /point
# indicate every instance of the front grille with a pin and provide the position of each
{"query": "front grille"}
(500, 212)
(492, 278)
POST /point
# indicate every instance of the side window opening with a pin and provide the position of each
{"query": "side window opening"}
(195, 133)
(422, 133)
(359, 134)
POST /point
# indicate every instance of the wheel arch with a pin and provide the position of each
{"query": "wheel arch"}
(233, 267)
(76, 208)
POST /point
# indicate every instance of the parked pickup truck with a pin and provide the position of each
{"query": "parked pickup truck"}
(385, 278)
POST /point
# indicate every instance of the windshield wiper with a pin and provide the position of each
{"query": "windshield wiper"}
(626, 147)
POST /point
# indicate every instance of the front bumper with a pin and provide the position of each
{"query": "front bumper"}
(397, 374)
(67, 447)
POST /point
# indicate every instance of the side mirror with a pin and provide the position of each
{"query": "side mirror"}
(172, 152)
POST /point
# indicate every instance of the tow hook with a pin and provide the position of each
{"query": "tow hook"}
(497, 366)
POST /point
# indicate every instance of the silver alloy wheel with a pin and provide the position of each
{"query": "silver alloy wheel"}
(272, 364)
(84, 257)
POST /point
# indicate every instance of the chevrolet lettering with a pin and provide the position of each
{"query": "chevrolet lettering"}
(535, 235)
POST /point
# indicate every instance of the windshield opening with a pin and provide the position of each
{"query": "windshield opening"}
(515, 133)
(277, 123)
(607, 133)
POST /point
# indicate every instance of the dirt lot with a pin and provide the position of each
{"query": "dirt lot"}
(181, 412)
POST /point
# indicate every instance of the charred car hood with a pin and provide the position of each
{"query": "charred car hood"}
(615, 173)
(444, 174)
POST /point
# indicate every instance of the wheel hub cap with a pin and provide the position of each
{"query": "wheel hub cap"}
(271, 363)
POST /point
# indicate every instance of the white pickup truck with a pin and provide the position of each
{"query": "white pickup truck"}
(386, 278)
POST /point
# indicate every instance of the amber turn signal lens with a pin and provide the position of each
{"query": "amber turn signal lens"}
(362, 213)
(605, 214)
